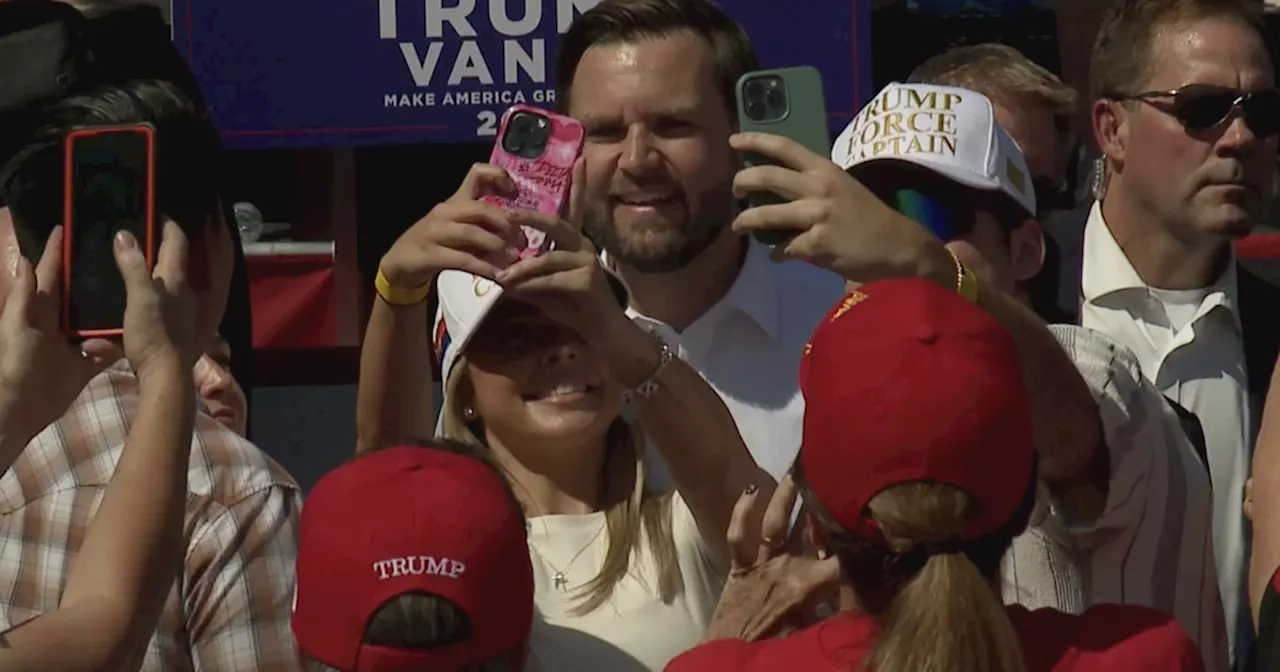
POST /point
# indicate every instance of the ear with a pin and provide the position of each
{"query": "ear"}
(1111, 130)
(1026, 251)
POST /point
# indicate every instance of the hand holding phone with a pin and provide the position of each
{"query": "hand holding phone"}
(787, 102)
(537, 149)
(109, 186)
(41, 372)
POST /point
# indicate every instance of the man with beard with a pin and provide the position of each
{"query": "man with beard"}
(653, 82)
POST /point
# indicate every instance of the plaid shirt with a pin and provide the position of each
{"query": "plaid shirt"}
(229, 609)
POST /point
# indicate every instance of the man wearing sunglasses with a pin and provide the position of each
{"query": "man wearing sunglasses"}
(1186, 115)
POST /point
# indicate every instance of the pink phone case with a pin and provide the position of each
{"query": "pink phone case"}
(542, 184)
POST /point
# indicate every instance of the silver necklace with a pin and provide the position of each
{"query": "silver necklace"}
(558, 580)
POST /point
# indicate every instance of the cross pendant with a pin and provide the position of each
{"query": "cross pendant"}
(559, 581)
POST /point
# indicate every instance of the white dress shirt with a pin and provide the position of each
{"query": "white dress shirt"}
(748, 347)
(1190, 346)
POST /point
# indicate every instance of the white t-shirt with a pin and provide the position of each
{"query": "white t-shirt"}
(1201, 366)
(634, 631)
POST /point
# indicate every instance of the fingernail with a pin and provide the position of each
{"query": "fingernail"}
(124, 241)
(751, 489)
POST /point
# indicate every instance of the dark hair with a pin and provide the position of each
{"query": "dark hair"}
(422, 621)
(31, 182)
(614, 21)
(1122, 57)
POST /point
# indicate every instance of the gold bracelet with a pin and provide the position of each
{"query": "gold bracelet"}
(399, 296)
(966, 281)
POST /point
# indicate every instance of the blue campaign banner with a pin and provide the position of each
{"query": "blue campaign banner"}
(315, 73)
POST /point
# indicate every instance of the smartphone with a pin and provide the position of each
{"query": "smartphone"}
(537, 148)
(110, 186)
(786, 102)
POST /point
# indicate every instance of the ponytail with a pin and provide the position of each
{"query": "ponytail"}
(934, 601)
(947, 617)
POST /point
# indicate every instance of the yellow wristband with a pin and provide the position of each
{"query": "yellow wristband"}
(399, 296)
(966, 281)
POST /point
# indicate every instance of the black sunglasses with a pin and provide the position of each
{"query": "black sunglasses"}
(1200, 107)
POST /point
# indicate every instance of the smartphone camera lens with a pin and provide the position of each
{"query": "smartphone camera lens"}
(512, 142)
(775, 100)
(765, 99)
(527, 135)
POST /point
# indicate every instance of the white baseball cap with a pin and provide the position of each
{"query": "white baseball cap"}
(948, 130)
(465, 300)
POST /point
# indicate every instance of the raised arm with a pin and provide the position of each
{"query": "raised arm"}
(1074, 462)
(1265, 492)
(689, 425)
(841, 225)
(123, 571)
(41, 373)
(394, 398)
(683, 417)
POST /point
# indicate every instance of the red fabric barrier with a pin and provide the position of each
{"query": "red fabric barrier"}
(1259, 246)
(293, 301)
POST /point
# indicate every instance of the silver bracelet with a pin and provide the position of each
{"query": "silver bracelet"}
(634, 398)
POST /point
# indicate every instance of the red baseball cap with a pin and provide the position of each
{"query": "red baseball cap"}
(905, 381)
(411, 519)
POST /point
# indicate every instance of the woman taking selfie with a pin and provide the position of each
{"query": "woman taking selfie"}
(542, 367)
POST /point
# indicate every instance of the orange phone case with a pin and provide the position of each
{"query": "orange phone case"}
(68, 216)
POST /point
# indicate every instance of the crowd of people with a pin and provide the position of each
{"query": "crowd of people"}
(939, 426)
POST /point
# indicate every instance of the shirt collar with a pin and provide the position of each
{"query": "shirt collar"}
(753, 292)
(1107, 269)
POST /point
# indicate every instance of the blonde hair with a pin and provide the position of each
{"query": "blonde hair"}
(632, 511)
(1001, 73)
(935, 611)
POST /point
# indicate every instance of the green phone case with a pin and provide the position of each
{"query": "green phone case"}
(804, 122)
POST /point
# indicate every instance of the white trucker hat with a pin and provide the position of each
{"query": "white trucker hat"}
(465, 300)
(950, 131)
